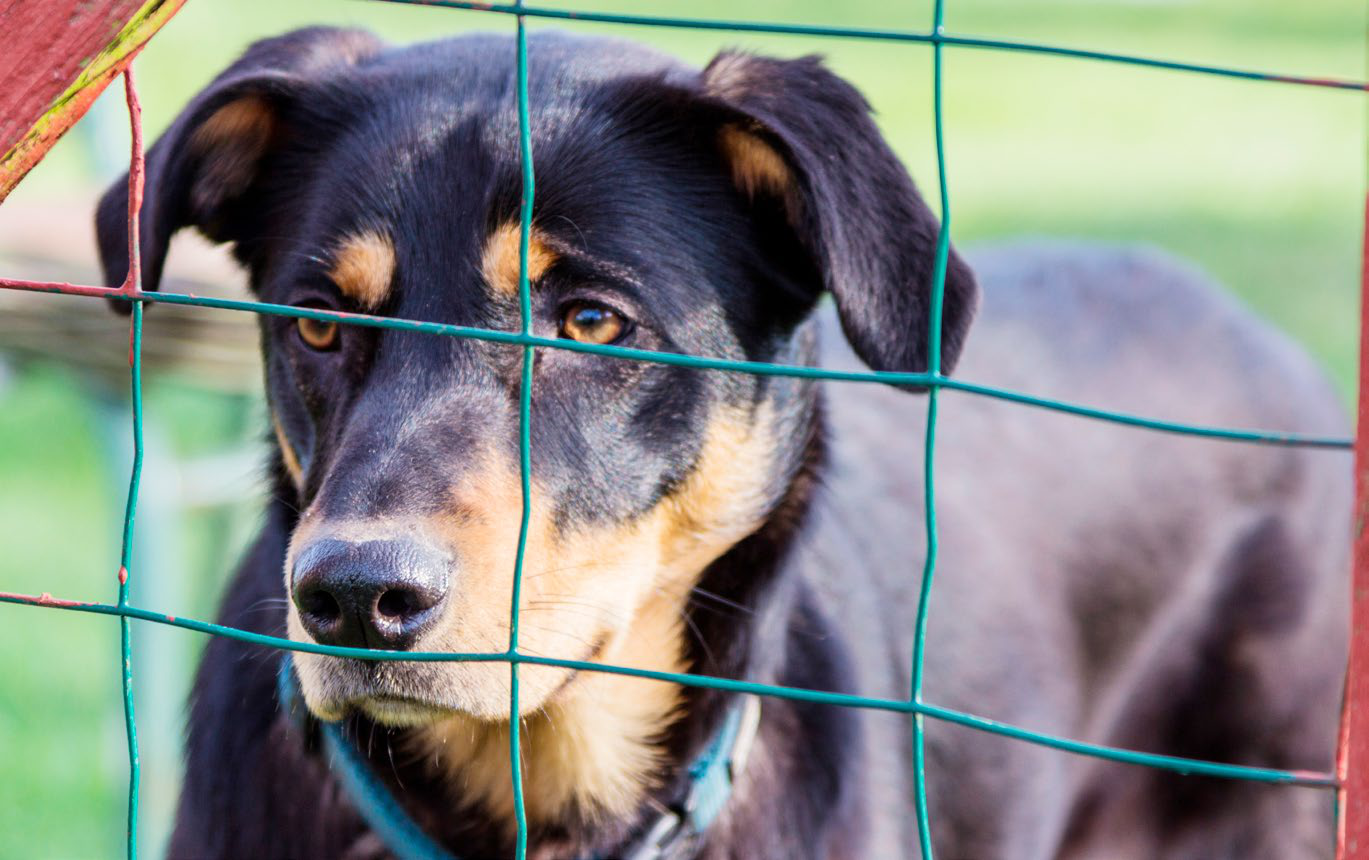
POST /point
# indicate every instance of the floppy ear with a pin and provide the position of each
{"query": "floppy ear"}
(805, 139)
(204, 169)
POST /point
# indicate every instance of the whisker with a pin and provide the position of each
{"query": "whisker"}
(267, 603)
(390, 749)
(572, 567)
(698, 637)
(586, 604)
(579, 613)
(717, 598)
(276, 497)
(583, 641)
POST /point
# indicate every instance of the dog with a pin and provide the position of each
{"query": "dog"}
(1120, 586)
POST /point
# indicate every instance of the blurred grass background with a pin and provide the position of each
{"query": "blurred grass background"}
(1260, 184)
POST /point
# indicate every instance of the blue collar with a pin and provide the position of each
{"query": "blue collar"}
(675, 834)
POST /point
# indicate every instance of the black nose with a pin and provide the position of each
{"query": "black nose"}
(376, 594)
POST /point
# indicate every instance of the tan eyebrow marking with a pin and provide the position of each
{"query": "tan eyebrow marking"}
(248, 119)
(363, 267)
(233, 140)
(757, 168)
(499, 262)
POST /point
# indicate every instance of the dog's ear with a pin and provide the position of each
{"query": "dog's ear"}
(205, 167)
(804, 139)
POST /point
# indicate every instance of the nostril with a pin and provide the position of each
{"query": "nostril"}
(320, 606)
(398, 604)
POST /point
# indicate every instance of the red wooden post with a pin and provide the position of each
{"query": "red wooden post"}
(56, 57)
(1352, 760)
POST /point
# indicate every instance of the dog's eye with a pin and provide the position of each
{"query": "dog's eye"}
(321, 335)
(591, 323)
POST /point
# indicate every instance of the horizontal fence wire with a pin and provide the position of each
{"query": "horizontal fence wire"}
(759, 368)
(932, 380)
(934, 36)
(1177, 764)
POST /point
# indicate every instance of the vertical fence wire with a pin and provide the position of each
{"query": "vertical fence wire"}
(524, 431)
(943, 245)
(135, 360)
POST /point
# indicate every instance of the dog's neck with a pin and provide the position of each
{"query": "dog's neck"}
(592, 754)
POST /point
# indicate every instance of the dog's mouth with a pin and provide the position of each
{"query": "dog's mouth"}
(401, 711)
(415, 694)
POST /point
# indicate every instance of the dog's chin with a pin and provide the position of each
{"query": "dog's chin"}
(402, 713)
(393, 711)
(408, 695)
(396, 711)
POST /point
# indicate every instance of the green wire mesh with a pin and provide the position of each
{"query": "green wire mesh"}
(524, 430)
(924, 597)
(932, 380)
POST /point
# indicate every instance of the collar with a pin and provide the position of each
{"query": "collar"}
(676, 833)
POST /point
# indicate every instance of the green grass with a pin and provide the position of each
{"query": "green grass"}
(59, 677)
(63, 446)
(1260, 184)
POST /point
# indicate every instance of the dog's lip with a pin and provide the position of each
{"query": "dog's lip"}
(392, 699)
(357, 686)
(373, 695)
(401, 709)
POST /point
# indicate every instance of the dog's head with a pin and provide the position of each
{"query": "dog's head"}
(688, 211)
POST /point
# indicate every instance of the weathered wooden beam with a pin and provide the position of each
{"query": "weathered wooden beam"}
(56, 57)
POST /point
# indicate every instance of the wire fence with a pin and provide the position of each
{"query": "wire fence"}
(933, 380)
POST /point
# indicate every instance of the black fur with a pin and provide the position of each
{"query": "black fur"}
(629, 170)
(636, 195)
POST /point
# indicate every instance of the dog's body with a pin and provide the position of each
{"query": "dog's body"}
(1110, 584)
(1190, 586)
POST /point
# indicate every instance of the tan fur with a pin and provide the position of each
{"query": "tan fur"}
(757, 169)
(500, 261)
(592, 748)
(364, 267)
(613, 594)
(591, 745)
(728, 77)
(232, 142)
(287, 454)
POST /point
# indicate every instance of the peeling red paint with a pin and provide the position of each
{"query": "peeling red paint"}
(1352, 756)
(1336, 83)
(136, 170)
(59, 287)
(60, 54)
(123, 575)
(44, 599)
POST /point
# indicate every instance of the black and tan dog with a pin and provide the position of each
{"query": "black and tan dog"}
(1158, 592)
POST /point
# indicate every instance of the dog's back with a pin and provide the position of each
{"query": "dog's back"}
(1116, 585)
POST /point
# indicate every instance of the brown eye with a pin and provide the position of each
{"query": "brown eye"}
(589, 323)
(321, 335)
